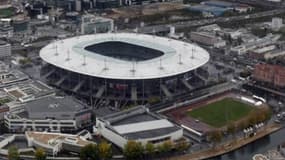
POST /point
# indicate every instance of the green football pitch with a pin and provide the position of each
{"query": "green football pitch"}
(219, 113)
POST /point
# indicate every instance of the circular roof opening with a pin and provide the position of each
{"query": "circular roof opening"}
(124, 51)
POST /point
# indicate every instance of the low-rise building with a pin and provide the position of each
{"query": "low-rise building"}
(137, 124)
(272, 74)
(53, 143)
(206, 38)
(10, 76)
(6, 31)
(259, 43)
(49, 114)
(28, 91)
(5, 50)
(216, 11)
(209, 28)
(92, 24)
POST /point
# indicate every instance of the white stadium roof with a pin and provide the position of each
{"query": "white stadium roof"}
(179, 57)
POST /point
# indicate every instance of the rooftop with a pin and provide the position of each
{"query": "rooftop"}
(51, 107)
(28, 91)
(53, 139)
(138, 123)
(179, 57)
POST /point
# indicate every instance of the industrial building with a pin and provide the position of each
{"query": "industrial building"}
(93, 24)
(207, 38)
(137, 124)
(216, 11)
(271, 74)
(122, 68)
(58, 114)
(222, 4)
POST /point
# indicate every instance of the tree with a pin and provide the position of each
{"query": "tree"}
(165, 147)
(150, 149)
(182, 145)
(40, 154)
(231, 128)
(133, 150)
(13, 153)
(215, 136)
(104, 150)
(253, 118)
(243, 124)
(89, 152)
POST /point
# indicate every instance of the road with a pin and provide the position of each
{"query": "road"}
(194, 23)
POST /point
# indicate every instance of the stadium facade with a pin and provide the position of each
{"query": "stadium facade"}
(122, 67)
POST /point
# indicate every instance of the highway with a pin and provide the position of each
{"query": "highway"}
(194, 23)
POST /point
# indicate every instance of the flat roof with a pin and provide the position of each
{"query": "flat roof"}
(139, 123)
(47, 137)
(58, 107)
(54, 104)
(144, 117)
(70, 54)
(152, 133)
(35, 89)
(142, 126)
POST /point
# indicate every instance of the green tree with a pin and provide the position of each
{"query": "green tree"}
(215, 136)
(231, 128)
(133, 150)
(89, 152)
(104, 150)
(149, 149)
(182, 145)
(253, 118)
(165, 147)
(13, 153)
(40, 154)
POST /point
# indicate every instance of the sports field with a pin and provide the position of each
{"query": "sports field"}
(221, 112)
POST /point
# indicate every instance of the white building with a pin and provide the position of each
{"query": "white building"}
(78, 5)
(206, 38)
(58, 114)
(91, 24)
(259, 43)
(137, 124)
(276, 24)
(53, 143)
(5, 50)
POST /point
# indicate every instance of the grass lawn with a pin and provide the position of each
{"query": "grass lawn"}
(219, 113)
(6, 12)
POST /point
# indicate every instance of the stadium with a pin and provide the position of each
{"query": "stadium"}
(122, 68)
